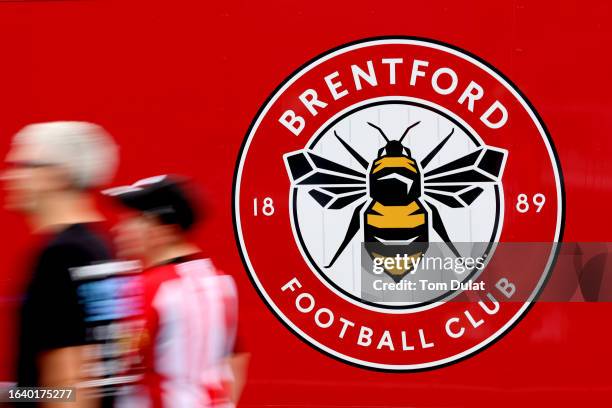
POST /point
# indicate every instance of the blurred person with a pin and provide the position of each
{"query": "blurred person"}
(52, 171)
(188, 343)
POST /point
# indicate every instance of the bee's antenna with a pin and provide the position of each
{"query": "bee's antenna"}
(380, 130)
(436, 150)
(407, 129)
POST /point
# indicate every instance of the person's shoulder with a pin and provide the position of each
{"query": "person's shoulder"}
(159, 273)
(78, 235)
(77, 243)
(194, 266)
(204, 268)
(199, 265)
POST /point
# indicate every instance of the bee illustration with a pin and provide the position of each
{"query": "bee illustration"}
(400, 194)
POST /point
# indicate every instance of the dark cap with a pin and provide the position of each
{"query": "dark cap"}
(165, 197)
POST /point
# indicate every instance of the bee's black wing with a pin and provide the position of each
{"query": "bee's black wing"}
(460, 182)
(332, 185)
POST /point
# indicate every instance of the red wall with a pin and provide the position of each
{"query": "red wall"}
(178, 82)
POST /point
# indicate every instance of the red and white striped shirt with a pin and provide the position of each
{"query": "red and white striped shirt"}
(190, 321)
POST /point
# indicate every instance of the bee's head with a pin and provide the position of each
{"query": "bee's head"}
(395, 148)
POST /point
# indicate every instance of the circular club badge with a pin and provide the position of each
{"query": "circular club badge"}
(398, 204)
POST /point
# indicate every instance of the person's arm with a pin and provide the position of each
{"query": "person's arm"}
(62, 368)
(239, 363)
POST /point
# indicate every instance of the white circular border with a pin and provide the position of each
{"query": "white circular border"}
(245, 149)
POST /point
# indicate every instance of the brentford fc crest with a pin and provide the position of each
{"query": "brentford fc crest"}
(398, 204)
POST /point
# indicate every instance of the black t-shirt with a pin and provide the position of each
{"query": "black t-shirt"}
(51, 316)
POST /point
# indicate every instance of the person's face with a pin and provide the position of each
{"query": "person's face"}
(27, 177)
(131, 236)
(138, 236)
